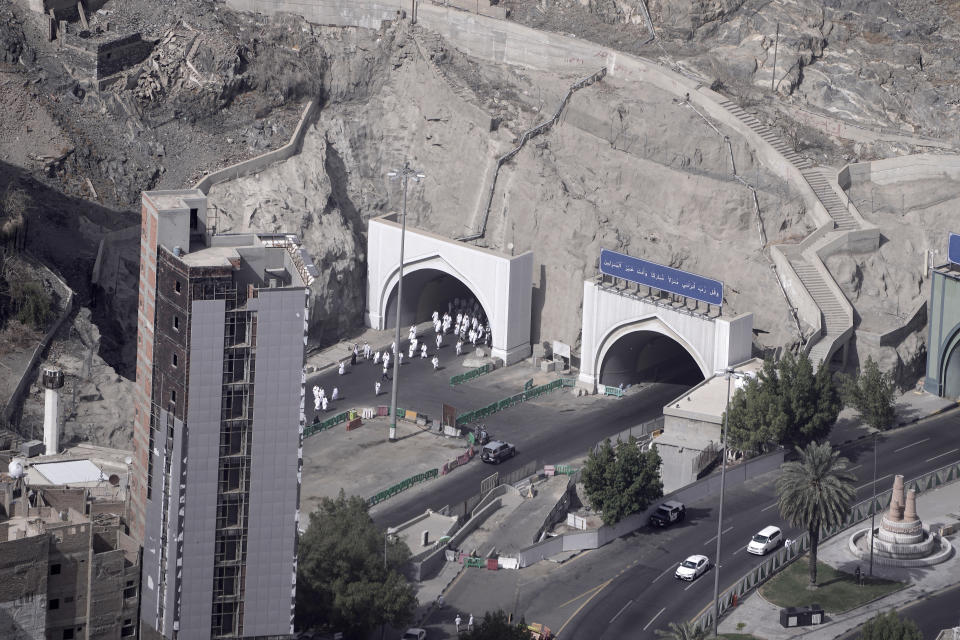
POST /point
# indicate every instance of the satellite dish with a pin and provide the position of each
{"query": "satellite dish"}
(114, 479)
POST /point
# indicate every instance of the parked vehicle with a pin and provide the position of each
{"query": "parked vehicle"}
(767, 539)
(414, 634)
(691, 568)
(496, 452)
(668, 513)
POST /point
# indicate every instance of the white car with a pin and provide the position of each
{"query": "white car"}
(767, 539)
(414, 634)
(692, 567)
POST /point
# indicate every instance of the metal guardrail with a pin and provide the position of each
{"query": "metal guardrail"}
(470, 375)
(317, 426)
(506, 403)
(403, 486)
(858, 513)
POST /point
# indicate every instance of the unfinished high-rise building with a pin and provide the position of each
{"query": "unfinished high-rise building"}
(222, 324)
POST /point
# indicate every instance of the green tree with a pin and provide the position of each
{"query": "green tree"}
(348, 575)
(890, 626)
(815, 491)
(497, 626)
(872, 394)
(622, 480)
(786, 404)
(681, 631)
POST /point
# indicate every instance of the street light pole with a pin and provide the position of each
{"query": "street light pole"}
(873, 504)
(723, 473)
(404, 174)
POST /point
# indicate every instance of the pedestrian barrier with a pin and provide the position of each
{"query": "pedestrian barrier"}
(470, 375)
(564, 469)
(858, 513)
(402, 486)
(316, 426)
(500, 405)
(613, 391)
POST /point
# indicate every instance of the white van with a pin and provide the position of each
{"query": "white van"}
(767, 539)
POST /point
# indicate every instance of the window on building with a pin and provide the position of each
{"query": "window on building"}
(173, 396)
(54, 604)
(175, 360)
(129, 592)
(176, 323)
(176, 286)
(68, 634)
(194, 220)
(55, 569)
(128, 630)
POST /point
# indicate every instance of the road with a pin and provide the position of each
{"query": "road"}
(646, 596)
(935, 613)
(547, 429)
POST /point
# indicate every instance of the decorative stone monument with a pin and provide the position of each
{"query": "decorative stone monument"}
(900, 540)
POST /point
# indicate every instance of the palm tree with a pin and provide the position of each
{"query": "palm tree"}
(815, 492)
(681, 631)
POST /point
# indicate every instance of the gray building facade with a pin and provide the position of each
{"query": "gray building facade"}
(943, 342)
(221, 470)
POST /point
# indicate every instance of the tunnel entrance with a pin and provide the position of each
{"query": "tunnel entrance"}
(648, 356)
(951, 374)
(426, 291)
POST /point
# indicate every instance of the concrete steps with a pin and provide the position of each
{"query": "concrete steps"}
(769, 136)
(432, 48)
(832, 202)
(832, 310)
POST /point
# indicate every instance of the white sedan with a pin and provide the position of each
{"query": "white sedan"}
(692, 567)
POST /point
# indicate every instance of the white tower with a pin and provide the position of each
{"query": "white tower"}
(52, 382)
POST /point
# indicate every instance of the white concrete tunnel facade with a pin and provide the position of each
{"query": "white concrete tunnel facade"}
(608, 315)
(502, 284)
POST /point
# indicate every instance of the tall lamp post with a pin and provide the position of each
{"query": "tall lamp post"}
(873, 504)
(729, 374)
(404, 174)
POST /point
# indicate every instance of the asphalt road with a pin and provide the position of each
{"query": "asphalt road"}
(935, 613)
(539, 429)
(646, 596)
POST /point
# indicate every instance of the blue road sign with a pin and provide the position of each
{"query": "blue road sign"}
(953, 249)
(661, 277)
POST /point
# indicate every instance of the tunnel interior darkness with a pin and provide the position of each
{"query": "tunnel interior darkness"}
(951, 377)
(648, 356)
(424, 292)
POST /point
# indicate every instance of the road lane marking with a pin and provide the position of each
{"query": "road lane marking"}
(910, 445)
(575, 598)
(870, 483)
(739, 549)
(692, 582)
(586, 602)
(942, 454)
(855, 468)
(715, 537)
(768, 507)
(665, 572)
(654, 618)
(629, 602)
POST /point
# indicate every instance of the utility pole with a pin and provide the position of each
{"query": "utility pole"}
(873, 504)
(405, 174)
(773, 73)
(723, 473)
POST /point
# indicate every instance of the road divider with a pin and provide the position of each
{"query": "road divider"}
(506, 403)
(402, 486)
(471, 374)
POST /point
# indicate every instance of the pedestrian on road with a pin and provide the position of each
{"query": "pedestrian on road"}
(376, 388)
(384, 376)
(393, 347)
(423, 351)
(470, 623)
(457, 621)
(412, 349)
(459, 346)
(343, 367)
(439, 340)
(323, 403)
(316, 403)
(353, 358)
(376, 357)
(436, 363)
(414, 342)
(400, 355)
(335, 394)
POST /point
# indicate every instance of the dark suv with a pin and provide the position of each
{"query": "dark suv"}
(496, 452)
(668, 513)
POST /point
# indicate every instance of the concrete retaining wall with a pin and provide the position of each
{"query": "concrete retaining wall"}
(921, 166)
(368, 14)
(261, 162)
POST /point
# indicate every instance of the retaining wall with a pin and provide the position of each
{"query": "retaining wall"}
(921, 166)
(261, 162)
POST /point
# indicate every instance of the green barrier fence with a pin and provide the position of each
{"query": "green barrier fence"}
(613, 391)
(470, 375)
(403, 486)
(316, 426)
(500, 405)
(858, 513)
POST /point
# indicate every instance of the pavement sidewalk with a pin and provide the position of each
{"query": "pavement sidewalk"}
(762, 619)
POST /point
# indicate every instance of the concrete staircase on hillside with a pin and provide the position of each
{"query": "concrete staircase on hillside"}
(834, 317)
(431, 48)
(836, 325)
(820, 181)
